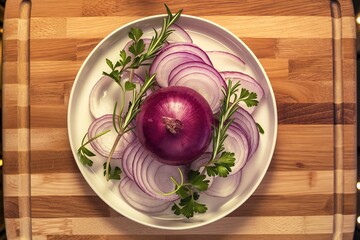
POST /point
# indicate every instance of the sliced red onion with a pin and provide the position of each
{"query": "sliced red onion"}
(106, 92)
(129, 154)
(200, 162)
(237, 143)
(201, 77)
(103, 144)
(246, 82)
(177, 47)
(178, 35)
(247, 123)
(137, 198)
(225, 61)
(224, 187)
(169, 62)
(152, 176)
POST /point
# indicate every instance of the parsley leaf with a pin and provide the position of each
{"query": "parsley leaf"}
(135, 34)
(249, 97)
(129, 86)
(113, 174)
(84, 153)
(261, 130)
(198, 181)
(188, 206)
(85, 160)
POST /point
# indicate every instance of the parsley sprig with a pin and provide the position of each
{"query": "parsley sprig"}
(189, 195)
(84, 152)
(113, 174)
(137, 48)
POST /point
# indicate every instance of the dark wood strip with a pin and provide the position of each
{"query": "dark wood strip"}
(53, 162)
(69, 206)
(195, 236)
(256, 205)
(16, 162)
(85, 46)
(9, 55)
(10, 73)
(11, 205)
(282, 205)
(46, 95)
(316, 113)
(49, 116)
(53, 49)
(12, 118)
(41, 162)
(305, 205)
(12, 9)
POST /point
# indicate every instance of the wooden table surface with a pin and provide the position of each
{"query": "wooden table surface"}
(307, 48)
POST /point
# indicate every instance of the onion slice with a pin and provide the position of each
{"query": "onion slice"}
(246, 82)
(103, 144)
(245, 121)
(224, 187)
(137, 198)
(201, 77)
(169, 62)
(129, 154)
(106, 92)
(178, 35)
(237, 143)
(225, 61)
(173, 48)
(152, 176)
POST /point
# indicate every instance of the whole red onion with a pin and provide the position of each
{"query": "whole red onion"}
(175, 124)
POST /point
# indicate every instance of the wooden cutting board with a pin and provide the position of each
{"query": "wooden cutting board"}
(307, 48)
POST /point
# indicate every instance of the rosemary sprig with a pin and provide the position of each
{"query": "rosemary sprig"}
(137, 48)
(221, 166)
(124, 122)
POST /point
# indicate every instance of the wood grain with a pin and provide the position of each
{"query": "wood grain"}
(306, 47)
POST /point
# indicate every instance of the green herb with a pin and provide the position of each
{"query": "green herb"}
(123, 124)
(248, 97)
(137, 48)
(189, 204)
(113, 174)
(221, 166)
(261, 130)
(84, 153)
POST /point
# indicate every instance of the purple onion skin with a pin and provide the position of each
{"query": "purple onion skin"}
(175, 124)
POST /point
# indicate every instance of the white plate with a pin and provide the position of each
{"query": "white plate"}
(209, 36)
